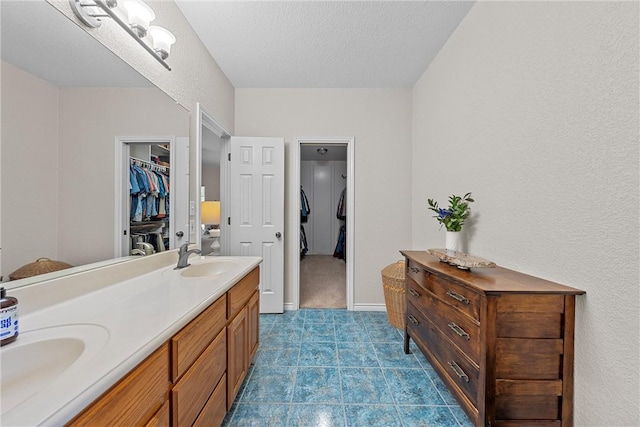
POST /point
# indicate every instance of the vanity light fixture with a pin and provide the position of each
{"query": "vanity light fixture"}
(162, 40)
(139, 16)
(322, 151)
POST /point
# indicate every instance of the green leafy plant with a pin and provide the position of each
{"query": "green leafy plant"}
(455, 215)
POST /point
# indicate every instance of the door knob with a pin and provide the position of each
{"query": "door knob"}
(278, 234)
(179, 234)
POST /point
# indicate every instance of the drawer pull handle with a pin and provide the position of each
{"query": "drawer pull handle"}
(458, 330)
(414, 293)
(413, 320)
(458, 370)
(458, 297)
(414, 270)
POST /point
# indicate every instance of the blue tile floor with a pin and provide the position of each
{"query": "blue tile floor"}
(325, 368)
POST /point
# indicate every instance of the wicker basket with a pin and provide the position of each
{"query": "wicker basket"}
(393, 284)
(39, 266)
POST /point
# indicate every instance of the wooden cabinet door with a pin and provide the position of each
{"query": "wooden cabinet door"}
(135, 399)
(253, 311)
(237, 346)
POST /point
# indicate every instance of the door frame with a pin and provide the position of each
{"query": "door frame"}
(205, 120)
(294, 211)
(121, 186)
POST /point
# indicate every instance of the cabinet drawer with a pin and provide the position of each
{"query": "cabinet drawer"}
(415, 271)
(161, 418)
(216, 408)
(457, 369)
(240, 293)
(460, 329)
(191, 341)
(454, 294)
(194, 388)
(135, 399)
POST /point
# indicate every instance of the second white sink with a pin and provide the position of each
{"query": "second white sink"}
(210, 267)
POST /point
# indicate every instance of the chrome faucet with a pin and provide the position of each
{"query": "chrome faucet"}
(183, 256)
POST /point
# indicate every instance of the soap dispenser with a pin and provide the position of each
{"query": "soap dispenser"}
(8, 318)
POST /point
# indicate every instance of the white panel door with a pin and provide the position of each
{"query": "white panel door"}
(256, 209)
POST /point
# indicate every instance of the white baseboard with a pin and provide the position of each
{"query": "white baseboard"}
(288, 306)
(369, 307)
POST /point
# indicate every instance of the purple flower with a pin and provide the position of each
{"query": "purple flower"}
(443, 213)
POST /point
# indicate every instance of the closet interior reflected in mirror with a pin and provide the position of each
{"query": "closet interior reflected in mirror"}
(67, 101)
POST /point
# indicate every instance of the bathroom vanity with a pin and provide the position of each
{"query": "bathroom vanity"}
(161, 348)
(502, 341)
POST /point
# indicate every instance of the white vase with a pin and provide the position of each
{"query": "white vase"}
(452, 241)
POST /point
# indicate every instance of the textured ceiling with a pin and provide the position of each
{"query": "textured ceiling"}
(327, 44)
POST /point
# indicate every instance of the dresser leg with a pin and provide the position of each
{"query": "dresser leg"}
(406, 341)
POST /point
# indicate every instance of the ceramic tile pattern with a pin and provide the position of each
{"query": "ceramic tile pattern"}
(325, 368)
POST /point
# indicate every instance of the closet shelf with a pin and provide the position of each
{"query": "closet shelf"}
(146, 226)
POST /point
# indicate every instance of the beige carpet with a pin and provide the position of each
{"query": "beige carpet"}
(323, 282)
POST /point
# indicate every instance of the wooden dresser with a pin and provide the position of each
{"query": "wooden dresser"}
(502, 341)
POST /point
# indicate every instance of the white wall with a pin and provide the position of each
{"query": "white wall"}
(380, 121)
(210, 179)
(29, 169)
(533, 106)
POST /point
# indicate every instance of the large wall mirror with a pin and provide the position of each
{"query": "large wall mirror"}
(65, 100)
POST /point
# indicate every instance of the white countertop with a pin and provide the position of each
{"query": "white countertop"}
(138, 315)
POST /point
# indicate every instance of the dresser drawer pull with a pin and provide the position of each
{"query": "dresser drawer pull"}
(413, 320)
(458, 297)
(458, 330)
(458, 370)
(414, 293)
(414, 270)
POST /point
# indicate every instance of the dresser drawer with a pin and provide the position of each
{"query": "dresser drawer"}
(463, 331)
(458, 369)
(191, 341)
(190, 394)
(454, 294)
(415, 271)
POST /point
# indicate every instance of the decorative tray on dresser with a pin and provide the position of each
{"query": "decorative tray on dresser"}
(502, 341)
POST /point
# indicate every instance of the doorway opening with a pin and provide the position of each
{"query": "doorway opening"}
(212, 180)
(151, 183)
(325, 262)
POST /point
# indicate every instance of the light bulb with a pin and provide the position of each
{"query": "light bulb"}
(162, 40)
(139, 15)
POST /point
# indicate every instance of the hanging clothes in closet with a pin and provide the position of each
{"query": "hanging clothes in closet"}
(340, 250)
(305, 210)
(149, 188)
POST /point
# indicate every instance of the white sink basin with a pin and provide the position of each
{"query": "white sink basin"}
(208, 268)
(39, 357)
